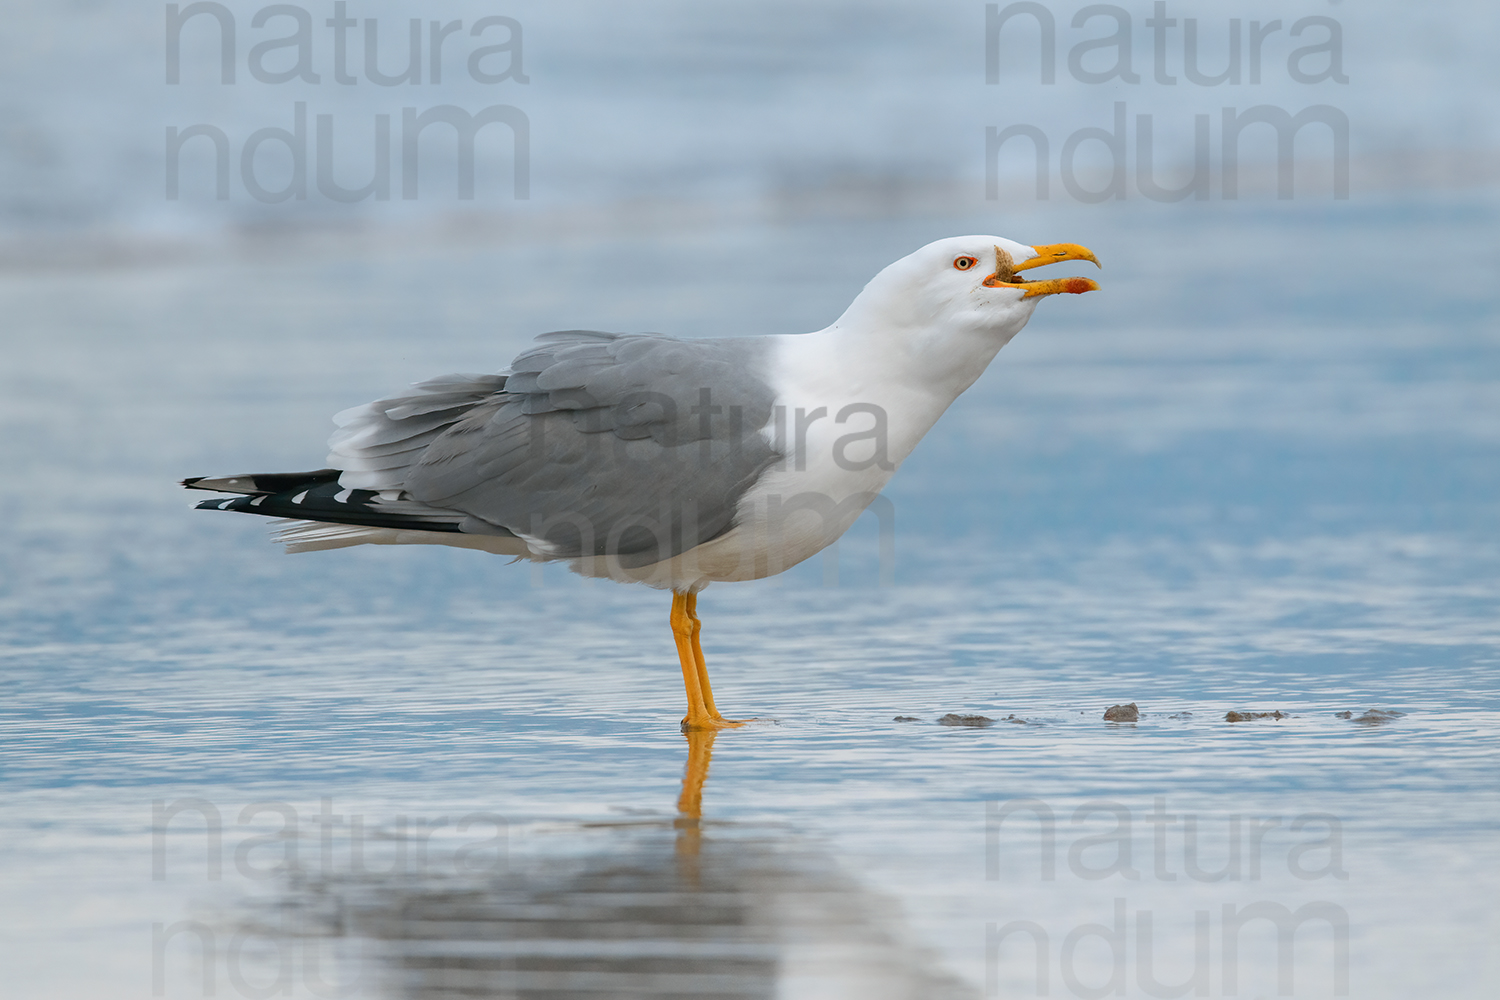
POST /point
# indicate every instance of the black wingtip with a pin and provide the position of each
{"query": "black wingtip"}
(327, 501)
(255, 483)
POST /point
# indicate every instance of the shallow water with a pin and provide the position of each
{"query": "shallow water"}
(1236, 500)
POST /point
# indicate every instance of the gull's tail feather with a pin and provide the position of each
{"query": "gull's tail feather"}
(315, 536)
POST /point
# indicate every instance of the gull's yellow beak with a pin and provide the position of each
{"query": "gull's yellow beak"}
(1051, 253)
(1054, 252)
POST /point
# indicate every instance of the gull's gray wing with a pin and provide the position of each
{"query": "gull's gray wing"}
(633, 446)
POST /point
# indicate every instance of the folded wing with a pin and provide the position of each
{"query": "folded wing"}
(633, 446)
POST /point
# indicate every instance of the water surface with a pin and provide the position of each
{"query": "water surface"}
(1191, 491)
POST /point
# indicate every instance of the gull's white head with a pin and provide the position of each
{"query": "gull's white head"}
(965, 284)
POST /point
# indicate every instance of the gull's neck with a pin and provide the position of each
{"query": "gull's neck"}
(935, 352)
(887, 355)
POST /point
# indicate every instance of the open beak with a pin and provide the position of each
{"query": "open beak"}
(1006, 270)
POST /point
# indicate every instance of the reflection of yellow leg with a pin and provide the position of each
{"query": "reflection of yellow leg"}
(702, 714)
(700, 752)
(690, 803)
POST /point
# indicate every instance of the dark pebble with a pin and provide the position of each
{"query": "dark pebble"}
(975, 721)
(1122, 713)
(906, 718)
(1252, 716)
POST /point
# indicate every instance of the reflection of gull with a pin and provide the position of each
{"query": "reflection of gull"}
(611, 909)
(668, 462)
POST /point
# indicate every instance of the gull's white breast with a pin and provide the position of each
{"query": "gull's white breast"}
(845, 418)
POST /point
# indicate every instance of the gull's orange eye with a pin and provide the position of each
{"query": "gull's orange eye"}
(964, 263)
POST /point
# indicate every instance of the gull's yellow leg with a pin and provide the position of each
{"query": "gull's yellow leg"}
(685, 625)
(703, 685)
(682, 632)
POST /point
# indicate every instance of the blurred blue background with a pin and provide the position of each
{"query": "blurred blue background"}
(1257, 470)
